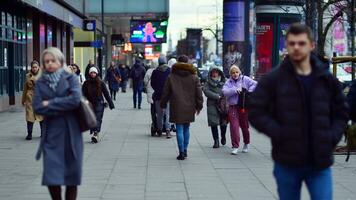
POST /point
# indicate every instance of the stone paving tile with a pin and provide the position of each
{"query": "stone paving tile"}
(128, 164)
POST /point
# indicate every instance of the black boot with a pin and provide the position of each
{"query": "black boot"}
(159, 133)
(29, 136)
(216, 144)
(223, 140)
(181, 156)
(185, 154)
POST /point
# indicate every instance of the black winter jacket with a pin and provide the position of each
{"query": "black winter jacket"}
(278, 110)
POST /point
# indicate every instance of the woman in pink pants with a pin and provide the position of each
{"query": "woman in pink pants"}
(237, 115)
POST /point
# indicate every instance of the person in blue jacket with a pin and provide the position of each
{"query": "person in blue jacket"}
(137, 75)
(57, 95)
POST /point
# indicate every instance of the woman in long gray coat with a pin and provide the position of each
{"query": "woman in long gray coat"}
(57, 95)
(213, 91)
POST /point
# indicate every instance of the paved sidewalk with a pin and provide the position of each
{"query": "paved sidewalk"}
(128, 164)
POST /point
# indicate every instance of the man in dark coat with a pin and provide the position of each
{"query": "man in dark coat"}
(90, 64)
(158, 79)
(137, 75)
(351, 100)
(124, 72)
(184, 93)
(301, 107)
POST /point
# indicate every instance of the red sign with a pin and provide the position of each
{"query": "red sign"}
(264, 47)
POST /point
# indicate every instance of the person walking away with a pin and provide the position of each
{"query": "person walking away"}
(94, 89)
(57, 95)
(124, 72)
(351, 100)
(27, 97)
(213, 91)
(77, 71)
(113, 78)
(159, 77)
(300, 106)
(237, 114)
(183, 90)
(149, 92)
(137, 75)
(90, 64)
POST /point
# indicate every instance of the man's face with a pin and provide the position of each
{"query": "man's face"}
(299, 47)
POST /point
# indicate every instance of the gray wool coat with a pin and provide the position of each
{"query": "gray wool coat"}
(213, 91)
(61, 142)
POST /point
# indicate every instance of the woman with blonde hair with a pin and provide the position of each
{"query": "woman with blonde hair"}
(233, 90)
(57, 95)
(27, 97)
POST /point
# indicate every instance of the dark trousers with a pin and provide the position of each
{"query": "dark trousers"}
(30, 127)
(137, 95)
(215, 131)
(99, 113)
(153, 115)
(113, 94)
(123, 86)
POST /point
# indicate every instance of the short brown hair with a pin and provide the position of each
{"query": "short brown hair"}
(297, 29)
(183, 59)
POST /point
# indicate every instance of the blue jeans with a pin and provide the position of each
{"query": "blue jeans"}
(137, 93)
(289, 182)
(182, 137)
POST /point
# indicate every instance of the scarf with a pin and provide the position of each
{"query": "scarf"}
(53, 78)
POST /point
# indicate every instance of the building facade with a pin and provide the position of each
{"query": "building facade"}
(28, 27)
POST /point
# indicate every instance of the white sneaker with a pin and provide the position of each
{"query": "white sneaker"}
(235, 151)
(245, 148)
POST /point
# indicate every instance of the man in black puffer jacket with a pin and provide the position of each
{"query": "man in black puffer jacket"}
(301, 107)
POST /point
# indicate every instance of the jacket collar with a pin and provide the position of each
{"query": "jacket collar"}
(183, 67)
(319, 67)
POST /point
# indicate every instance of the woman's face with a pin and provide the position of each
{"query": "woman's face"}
(93, 74)
(51, 64)
(214, 74)
(75, 69)
(35, 68)
(235, 73)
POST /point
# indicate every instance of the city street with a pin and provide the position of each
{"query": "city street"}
(128, 164)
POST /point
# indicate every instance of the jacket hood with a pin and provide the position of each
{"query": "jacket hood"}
(183, 69)
(320, 68)
(163, 68)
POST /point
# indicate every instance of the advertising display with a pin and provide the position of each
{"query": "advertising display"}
(282, 51)
(264, 47)
(233, 34)
(148, 31)
(194, 37)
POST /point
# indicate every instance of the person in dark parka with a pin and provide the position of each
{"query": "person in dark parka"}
(124, 72)
(94, 89)
(113, 78)
(184, 93)
(57, 95)
(213, 91)
(158, 79)
(351, 100)
(137, 75)
(301, 107)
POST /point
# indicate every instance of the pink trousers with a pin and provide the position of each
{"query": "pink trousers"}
(238, 119)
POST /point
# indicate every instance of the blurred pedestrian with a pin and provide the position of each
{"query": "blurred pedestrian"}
(351, 99)
(76, 70)
(301, 107)
(137, 75)
(94, 89)
(236, 85)
(183, 90)
(149, 93)
(113, 78)
(27, 96)
(90, 64)
(124, 72)
(158, 79)
(57, 95)
(213, 91)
